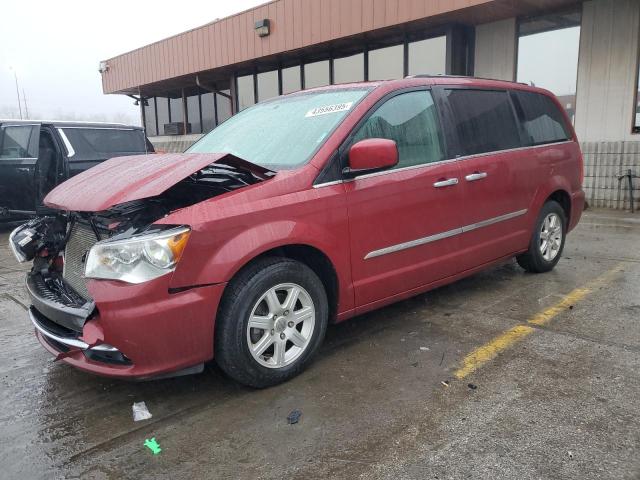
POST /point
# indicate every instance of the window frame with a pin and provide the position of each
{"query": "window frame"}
(566, 122)
(345, 145)
(635, 129)
(3, 127)
(451, 133)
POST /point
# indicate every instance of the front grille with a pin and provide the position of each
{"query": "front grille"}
(81, 240)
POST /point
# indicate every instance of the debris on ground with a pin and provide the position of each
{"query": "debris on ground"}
(294, 416)
(445, 383)
(141, 412)
(472, 386)
(152, 445)
(570, 453)
(424, 349)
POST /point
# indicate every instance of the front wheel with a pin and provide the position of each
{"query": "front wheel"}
(272, 320)
(547, 240)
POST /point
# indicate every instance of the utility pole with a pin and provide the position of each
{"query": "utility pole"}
(15, 75)
(26, 109)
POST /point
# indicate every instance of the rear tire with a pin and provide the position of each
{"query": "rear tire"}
(547, 240)
(271, 322)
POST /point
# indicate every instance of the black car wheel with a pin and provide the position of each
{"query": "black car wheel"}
(272, 320)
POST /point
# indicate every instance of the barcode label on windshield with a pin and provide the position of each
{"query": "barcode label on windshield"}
(338, 107)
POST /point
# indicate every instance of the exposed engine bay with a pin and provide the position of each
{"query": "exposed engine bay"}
(58, 243)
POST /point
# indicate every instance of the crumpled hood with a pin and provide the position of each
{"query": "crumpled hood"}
(123, 179)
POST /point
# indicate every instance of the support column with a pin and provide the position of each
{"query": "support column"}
(496, 49)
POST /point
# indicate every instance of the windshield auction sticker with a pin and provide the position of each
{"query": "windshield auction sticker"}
(338, 107)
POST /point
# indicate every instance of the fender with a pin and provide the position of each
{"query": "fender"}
(211, 264)
(553, 184)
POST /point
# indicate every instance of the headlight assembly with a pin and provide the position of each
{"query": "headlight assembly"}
(137, 259)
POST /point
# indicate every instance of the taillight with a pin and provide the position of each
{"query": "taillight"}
(581, 169)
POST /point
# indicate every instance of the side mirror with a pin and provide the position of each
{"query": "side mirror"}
(372, 154)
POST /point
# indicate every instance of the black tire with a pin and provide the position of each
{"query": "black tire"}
(231, 349)
(533, 260)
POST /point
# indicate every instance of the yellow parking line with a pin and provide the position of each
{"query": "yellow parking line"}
(490, 350)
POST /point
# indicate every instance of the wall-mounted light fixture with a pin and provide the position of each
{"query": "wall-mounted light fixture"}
(104, 66)
(262, 27)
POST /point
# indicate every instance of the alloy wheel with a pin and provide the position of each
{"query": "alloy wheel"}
(281, 325)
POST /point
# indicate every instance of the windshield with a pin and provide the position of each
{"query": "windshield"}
(283, 133)
(101, 143)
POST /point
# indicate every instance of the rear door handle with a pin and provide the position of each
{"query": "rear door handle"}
(446, 183)
(475, 176)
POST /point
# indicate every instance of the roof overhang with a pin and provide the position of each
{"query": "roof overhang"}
(298, 30)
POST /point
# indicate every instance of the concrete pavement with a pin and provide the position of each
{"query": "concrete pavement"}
(382, 399)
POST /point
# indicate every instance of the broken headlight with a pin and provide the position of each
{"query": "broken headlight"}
(137, 259)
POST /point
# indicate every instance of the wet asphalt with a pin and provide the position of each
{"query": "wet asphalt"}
(560, 403)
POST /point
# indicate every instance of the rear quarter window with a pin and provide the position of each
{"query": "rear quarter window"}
(484, 120)
(541, 118)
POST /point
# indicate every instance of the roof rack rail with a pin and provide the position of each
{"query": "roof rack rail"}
(444, 75)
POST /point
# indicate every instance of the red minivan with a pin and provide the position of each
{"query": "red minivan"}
(299, 211)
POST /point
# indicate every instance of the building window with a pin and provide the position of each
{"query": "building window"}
(267, 85)
(291, 79)
(208, 112)
(428, 56)
(150, 117)
(386, 63)
(246, 93)
(162, 106)
(175, 104)
(193, 114)
(349, 69)
(316, 74)
(224, 106)
(548, 55)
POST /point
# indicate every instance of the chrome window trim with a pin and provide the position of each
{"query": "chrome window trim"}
(98, 128)
(70, 151)
(403, 169)
(328, 184)
(451, 160)
(516, 149)
(440, 236)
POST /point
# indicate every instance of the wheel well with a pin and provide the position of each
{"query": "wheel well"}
(564, 200)
(317, 261)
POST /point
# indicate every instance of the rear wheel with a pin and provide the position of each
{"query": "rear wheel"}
(547, 240)
(272, 320)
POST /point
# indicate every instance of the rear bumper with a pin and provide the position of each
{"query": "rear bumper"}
(136, 331)
(577, 207)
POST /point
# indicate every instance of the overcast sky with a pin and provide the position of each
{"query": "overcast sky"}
(55, 48)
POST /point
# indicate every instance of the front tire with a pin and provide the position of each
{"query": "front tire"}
(272, 320)
(547, 240)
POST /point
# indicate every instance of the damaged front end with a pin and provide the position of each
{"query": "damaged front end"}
(122, 243)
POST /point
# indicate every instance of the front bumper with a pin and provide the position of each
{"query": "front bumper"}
(132, 331)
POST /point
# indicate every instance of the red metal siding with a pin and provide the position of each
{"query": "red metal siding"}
(295, 24)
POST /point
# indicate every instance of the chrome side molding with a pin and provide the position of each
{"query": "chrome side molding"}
(440, 236)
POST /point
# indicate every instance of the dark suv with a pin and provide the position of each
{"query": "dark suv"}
(35, 156)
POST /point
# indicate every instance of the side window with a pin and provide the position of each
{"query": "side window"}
(411, 120)
(19, 141)
(484, 120)
(541, 119)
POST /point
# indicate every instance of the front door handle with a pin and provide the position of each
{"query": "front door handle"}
(475, 176)
(446, 183)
